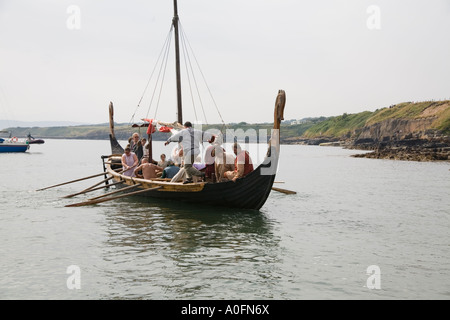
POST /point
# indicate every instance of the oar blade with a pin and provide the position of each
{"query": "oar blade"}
(91, 202)
(285, 191)
(76, 180)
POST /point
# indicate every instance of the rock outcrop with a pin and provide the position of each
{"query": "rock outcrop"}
(408, 131)
(404, 139)
(428, 145)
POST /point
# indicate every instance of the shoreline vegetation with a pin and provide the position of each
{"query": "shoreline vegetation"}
(416, 131)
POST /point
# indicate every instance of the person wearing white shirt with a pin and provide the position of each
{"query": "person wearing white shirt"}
(190, 139)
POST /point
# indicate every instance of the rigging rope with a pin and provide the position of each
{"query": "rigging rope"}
(183, 37)
(162, 62)
(153, 71)
(188, 77)
(159, 75)
(204, 79)
(162, 81)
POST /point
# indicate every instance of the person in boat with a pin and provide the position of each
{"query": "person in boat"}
(163, 163)
(145, 148)
(181, 176)
(224, 161)
(129, 161)
(210, 163)
(136, 146)
(242, 164)
(170, 171)
(177, 154)
(149, 170)
(190, 140)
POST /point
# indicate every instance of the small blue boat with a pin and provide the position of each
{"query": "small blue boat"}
(13, 145)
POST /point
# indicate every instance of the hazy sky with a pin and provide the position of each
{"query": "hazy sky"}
(330, 56)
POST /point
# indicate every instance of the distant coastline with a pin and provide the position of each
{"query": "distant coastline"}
(417, 131)
(5, 124)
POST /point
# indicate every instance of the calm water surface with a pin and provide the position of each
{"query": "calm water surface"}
(348, 214)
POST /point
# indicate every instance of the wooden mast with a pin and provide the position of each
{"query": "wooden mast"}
(177, 62)
(150, 147)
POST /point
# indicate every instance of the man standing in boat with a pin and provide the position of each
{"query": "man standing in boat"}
(190, 139)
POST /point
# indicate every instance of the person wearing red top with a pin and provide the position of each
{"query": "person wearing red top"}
(242, 164)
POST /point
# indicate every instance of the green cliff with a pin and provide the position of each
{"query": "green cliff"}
(405, 118)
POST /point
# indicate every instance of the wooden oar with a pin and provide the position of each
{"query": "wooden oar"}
(86, 203)
(81, 179)
(284, 190)
(94, 189)
(97, 184)
(114, 192)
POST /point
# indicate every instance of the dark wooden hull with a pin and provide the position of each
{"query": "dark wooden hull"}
(250, 192)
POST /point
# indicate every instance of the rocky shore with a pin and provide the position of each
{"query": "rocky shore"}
(419, 150)
(415, 131)
(430, 145)
(403, 140)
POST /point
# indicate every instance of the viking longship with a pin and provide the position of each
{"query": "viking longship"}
(249, 192)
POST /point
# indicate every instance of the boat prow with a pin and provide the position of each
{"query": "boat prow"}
(36, 141)
(116, 148)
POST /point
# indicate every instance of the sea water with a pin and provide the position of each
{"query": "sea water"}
(356, 229)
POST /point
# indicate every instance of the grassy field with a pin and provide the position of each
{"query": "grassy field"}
(339, 126)
(347, 125)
